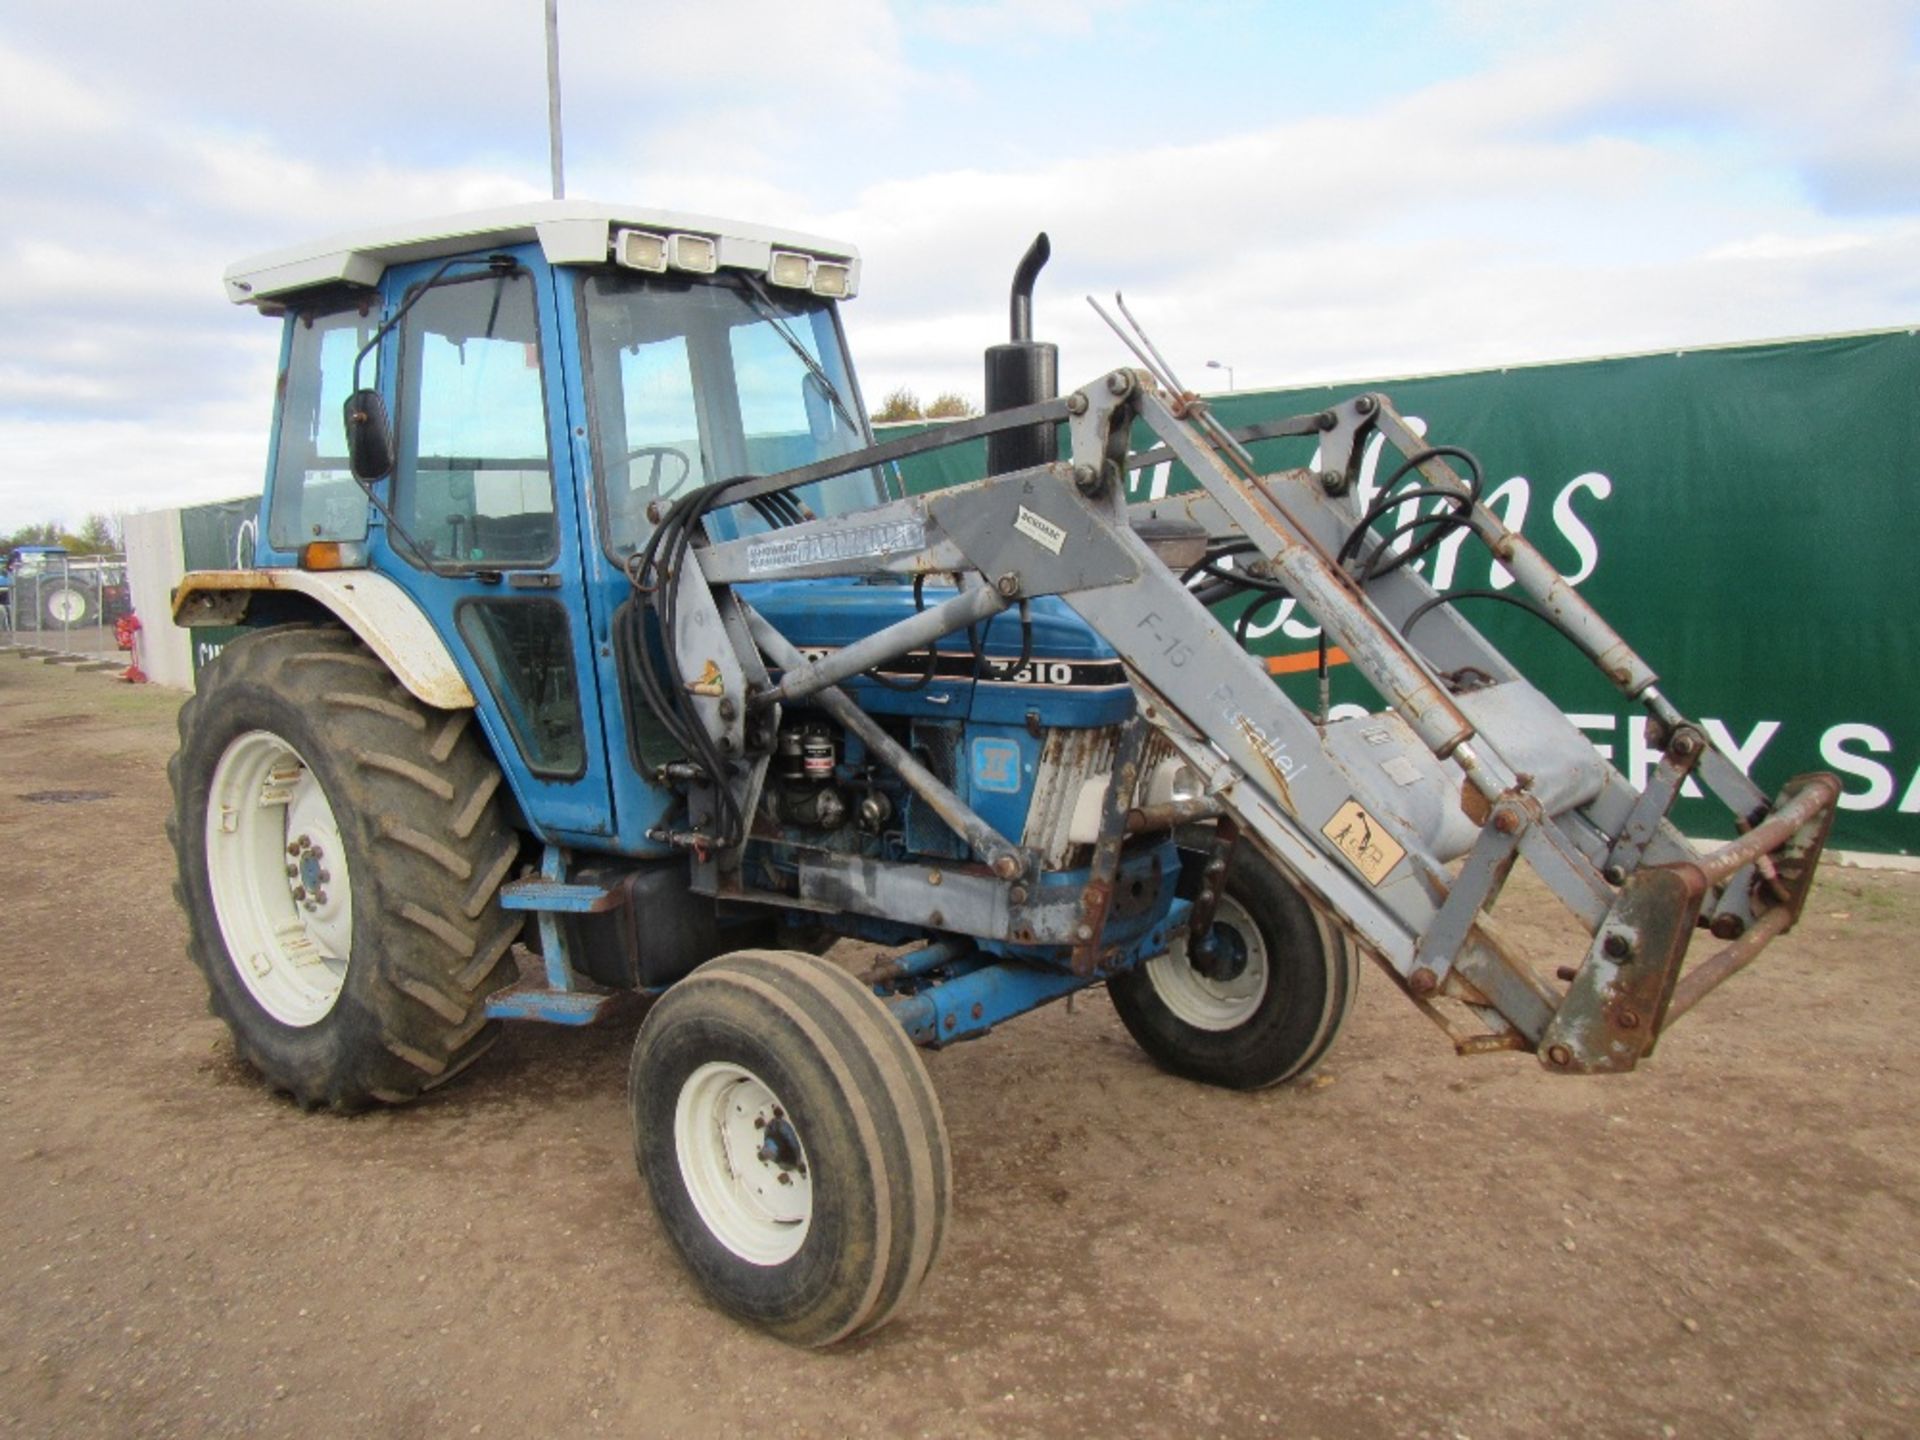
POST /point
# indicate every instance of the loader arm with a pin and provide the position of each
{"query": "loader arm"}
(1401, 826)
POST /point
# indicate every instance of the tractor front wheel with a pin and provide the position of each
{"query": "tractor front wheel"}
(1267, 1004)
(341, 848)
(792, 1143)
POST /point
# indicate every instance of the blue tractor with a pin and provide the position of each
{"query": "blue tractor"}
(591, 648)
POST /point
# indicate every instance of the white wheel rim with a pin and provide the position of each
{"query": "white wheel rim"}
(1208, 1004)
(721, 1126)
(66, 606)
(278, 873)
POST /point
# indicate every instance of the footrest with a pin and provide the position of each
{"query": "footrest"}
(564, 897)
(555, 1007)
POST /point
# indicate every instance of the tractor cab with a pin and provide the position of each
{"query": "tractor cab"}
(537, 385)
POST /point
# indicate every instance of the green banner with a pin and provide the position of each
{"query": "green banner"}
(1733, 512)
(219, 535)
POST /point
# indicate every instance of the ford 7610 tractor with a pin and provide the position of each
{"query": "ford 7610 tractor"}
(593, 648)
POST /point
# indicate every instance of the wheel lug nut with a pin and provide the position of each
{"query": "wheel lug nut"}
(294, 848)
(325, 877)
(299, 892)
(785, 1179)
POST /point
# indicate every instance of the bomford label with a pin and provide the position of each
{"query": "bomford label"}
(1040, 529)
(1366, 845)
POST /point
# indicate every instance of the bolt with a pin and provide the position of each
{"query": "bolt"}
(728, 709)
(292, 871)
(1077, 403)
(1506, 822)
(325, 877)
(1008, 585)
(1559, 1055)
(952, 1020)
(978, 1010)
(1614, 875)
(933, 877)
(299, 892)
(1365, 404)
(1086, 479)
(1728, 927)
(1616, 946)
(1423, 982)
(303, 842)
(1083, 932)
(785, 1179)
(319, 897)
(1685, 745)
(1628, 1020)
(759, 1122)
(1119, 383)
(294, 849)
(1334, 482)
(1017, 895)
(1006, 866)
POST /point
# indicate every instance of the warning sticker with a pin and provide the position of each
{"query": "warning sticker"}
(1371, 850)
(1039, 528)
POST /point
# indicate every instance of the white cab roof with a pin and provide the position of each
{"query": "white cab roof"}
(570, 232)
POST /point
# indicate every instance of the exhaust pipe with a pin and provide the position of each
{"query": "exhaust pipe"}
(1021, 372)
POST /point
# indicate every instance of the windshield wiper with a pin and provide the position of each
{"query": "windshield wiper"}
(763, 302)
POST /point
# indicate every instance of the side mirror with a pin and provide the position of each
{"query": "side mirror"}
(369, 435)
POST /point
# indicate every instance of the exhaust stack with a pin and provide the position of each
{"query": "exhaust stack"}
(1021, 372)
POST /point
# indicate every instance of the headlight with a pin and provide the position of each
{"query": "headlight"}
(639, 250)
(833, 280)
(1174, 781)
(697, 253)
(793, 271)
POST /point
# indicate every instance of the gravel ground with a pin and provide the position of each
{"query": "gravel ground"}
(1721, 1244)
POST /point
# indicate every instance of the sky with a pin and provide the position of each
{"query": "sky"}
(1302, 191)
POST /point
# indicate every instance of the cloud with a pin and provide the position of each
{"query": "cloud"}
(1611, 177)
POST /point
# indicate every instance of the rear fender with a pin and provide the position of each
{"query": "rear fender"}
(370, 605)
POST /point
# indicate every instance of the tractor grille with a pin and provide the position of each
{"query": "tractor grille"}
(1075, 767)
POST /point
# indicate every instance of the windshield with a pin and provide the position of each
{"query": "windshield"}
(702, 380)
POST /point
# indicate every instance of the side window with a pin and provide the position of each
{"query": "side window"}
(474, 482)
(525, 651)
(314, 494)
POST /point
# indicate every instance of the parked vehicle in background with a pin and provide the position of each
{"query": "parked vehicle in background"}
(51, 589)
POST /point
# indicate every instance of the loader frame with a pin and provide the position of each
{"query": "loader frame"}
(1401, 828)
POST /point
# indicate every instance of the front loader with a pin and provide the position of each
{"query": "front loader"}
(592, 649)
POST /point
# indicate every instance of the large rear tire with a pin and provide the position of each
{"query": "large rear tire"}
(1290, 985)
(341, 848)
(792, 1143)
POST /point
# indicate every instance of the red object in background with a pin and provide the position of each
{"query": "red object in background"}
(126, 634)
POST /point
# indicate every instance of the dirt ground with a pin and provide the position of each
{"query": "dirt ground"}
(1722, 1244)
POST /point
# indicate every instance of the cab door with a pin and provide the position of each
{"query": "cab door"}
(488, 531)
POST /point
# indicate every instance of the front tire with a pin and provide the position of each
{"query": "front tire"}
(1290, 983)
(341, 848)
(792, 1143)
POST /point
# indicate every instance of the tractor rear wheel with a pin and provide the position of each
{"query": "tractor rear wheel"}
(341, 848)
(792, 1143)
(1268, 1007)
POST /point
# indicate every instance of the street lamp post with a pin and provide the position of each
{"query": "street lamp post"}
(1216, 365)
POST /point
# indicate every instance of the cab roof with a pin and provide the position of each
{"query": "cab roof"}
(569, 232)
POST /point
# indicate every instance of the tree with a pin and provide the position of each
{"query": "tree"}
(901, 404)
(98, 535)
(950, 405)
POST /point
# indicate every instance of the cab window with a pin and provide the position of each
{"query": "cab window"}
(314, 493)
(473, 478)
